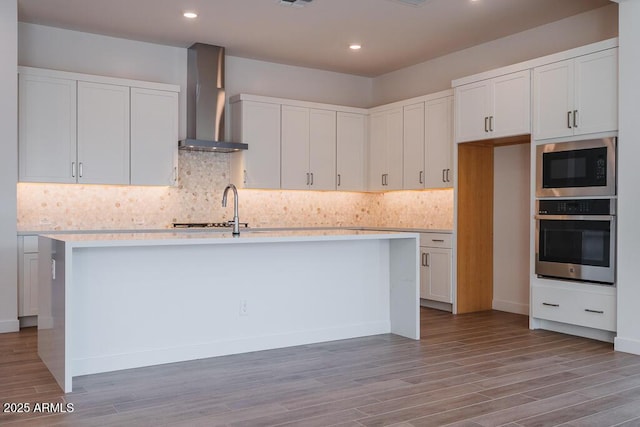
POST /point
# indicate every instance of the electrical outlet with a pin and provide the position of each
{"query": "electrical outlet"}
(243, 308)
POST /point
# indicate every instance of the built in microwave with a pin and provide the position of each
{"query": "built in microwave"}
(577, 168)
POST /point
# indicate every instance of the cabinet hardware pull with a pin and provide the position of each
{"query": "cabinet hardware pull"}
(550, 305)
(307, 178)
(382, 177)
(424, 259)
(73, 169)
(427, 264)
(444, 179)
(175, 174)
(338, 180)
(491, 123)
(486, 127)
(311, 178)
(438, 240)
(244, 177)
(575, 118)
(420, 179)
(80, 169)
(448, 170)
(569, 119)
(588, 310)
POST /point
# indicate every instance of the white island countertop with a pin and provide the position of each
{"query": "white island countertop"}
(172, 237)
(110, 301)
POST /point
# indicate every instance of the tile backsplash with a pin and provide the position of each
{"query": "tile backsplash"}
(197, 198)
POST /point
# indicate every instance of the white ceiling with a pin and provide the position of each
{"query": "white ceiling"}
(393, 35)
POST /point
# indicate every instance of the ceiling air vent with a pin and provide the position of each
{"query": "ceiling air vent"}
(412, 2)
(295, 3)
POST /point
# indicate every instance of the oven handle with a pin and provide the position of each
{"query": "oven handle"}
(577, 217)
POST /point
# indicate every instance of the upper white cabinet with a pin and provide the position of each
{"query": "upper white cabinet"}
(439, 143)
(494, 108)
(103, 134)
(351, 138)
(385, 150)
(257, 124)
(308, 148)
(154, 132)
(47, 129)
(428, 144)
(576, 96)
(77, 128)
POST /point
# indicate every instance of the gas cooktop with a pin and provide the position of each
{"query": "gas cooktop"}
(207, 225)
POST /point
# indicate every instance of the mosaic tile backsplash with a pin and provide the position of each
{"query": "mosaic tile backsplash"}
(197, 198)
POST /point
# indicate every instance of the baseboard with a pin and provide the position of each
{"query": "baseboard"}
(627, 345)
(436, 304)
(7, 326)
(510, 307)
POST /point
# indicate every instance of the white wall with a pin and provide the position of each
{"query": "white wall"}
(628, 338)
(511, 219)
(435, 75)
(8, 165)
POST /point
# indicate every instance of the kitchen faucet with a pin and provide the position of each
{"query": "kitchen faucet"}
(236, 220)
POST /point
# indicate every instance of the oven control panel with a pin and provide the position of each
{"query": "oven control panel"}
(575, 207)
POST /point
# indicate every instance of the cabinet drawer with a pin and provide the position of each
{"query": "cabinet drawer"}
(30, 244)
(576, 307)
(436, 240)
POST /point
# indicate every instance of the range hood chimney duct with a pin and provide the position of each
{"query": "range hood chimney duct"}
(206, 101)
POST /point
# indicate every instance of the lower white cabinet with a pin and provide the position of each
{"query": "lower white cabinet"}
(28, 276)
(436, 267)
(568, 304)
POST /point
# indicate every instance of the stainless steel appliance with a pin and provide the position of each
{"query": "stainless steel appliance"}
(578, 168)
(576, 239)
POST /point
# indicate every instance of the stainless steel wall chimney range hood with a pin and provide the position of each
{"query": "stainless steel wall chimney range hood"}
(206, 101)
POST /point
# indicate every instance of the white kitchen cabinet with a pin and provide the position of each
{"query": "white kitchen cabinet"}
(308, 148)
(103, 133)
(576, 96)
(154, 136)
(438, 151)
(436, 267)
(414, 146)
(27, 276)
(494, 108)
(385, 150)
(257, 124)
(351, 138)
(568, 304)
(47, 129)
(77, 128)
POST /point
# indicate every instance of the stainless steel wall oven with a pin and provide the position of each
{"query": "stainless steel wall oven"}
(576, 239)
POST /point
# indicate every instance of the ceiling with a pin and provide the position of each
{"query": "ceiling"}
(393, 34)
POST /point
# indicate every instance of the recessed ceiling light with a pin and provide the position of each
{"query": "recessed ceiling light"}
(190, 15)
(355, 46)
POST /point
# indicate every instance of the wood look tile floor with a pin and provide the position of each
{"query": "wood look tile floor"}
(480, 369)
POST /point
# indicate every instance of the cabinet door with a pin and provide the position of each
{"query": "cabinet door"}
(322, 149)
(29, 282)
(439, 143)
(154, 136)
(553, 93)
(103, 133)
(295, 148)
(414, 146)
(47, 129)
(377, 151)
(394, 150)
(438, 274)
(257, 124)
(472, 111)
(350, 140)
(511, 112)
(596, 92)
(424, 274)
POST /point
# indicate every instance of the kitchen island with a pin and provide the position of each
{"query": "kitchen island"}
(126, 300)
